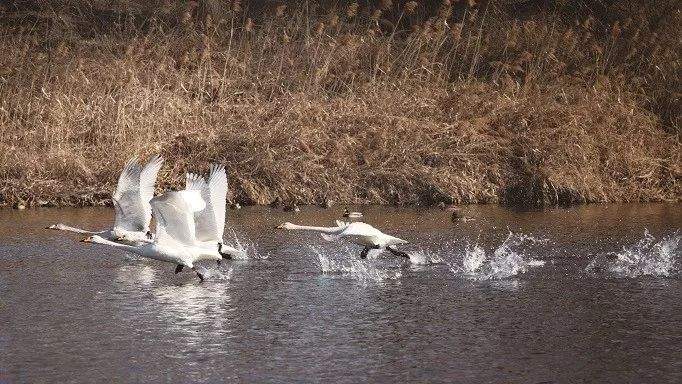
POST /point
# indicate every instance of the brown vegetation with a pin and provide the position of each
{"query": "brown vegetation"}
(390, 102)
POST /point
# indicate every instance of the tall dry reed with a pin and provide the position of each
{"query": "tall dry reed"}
(387, 103)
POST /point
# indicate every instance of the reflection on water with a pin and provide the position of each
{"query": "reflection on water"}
(135, 275)
(196, 316)
(565, 295)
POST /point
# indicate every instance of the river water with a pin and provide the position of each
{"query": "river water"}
(586, 294)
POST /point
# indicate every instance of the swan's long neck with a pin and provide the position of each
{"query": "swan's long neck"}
(330, 230)
(63, 227)
(129, 248)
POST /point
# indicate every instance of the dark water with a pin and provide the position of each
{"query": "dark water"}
(489, 311)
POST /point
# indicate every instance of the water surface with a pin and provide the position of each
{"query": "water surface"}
(567, 295)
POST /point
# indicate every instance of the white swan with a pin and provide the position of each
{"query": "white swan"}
(210, 222)
(175, 240)
(131, 202)
(357, 233)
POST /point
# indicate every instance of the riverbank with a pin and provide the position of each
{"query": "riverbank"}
(485, 110)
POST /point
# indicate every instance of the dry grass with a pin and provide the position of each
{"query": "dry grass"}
(314, 104)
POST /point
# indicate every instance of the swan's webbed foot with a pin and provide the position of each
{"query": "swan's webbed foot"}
(199, 275)
(218, 261)
(397, 252)
(363, 254)
(178, 269)
(222, 254)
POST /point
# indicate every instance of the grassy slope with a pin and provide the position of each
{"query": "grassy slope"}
(336, 107)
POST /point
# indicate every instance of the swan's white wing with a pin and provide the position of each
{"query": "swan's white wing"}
(126, 200)
(174, 214)
(146, 187)
(217, 184)
(204, 222)
(210, 223)
(135, 189)
(194, 182)
(360, 229)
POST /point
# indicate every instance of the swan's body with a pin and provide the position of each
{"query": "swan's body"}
(131, 198)
(175, 240)
(357, 233)
(352, 215)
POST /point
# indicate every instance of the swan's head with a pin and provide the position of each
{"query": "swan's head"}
(92, 239)
(286, 225)
(59, 226)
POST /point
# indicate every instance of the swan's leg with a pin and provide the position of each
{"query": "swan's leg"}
(363, 254)
(199, 275)
(222, 254)
(397, 252)
(178, 269)
(218, 261)
(149, 235)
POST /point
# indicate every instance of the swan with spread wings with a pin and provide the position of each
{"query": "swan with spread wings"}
(131, 198)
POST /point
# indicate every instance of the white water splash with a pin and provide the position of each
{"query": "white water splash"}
(215, 274)
(246, 248)
(346, 263)
(647, 257)
(474, 257)
(423, 257)
(507, 260)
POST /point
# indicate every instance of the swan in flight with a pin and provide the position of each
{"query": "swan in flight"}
(131, 198)
(175, 241)
(357, 233)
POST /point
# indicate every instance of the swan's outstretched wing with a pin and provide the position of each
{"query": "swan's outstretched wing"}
(174, 214)
(125, 197)
(360, 229)
(135, 189)
(217, 184)
(210, 222)
(147, 181)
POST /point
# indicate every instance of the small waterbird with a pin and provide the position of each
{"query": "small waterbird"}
(351, 215)
(456, 214)
(357, 233)
(131, 198)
